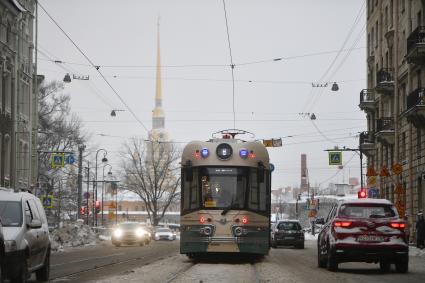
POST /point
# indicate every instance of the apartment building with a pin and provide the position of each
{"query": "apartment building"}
(18, 103)
(394, 103)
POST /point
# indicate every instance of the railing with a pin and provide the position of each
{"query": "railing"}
(367, 95)
(385, 124)
(417, 36)
(366, 137)
(384, 75)
(416, 97)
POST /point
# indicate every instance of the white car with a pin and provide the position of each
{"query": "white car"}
(164, 234)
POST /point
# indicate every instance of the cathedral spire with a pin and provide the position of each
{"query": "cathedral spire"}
(158, 119)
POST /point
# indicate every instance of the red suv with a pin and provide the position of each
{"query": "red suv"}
(363, 230)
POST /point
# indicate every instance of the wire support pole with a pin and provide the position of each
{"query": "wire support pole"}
(232, 65)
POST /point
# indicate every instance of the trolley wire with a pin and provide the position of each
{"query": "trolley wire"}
(96, 67)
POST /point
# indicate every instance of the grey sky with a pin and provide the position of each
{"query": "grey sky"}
(198, 100)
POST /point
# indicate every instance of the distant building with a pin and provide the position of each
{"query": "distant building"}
(18, 97)
(304, 174)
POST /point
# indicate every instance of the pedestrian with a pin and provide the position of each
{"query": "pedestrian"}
(420, 230)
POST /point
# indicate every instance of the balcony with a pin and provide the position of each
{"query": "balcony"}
(385, 81)
(385, 130)
(416, 46)
(415, 112)
(367, 100)
(367, 143)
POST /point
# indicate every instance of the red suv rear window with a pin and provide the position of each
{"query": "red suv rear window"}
(353, 210)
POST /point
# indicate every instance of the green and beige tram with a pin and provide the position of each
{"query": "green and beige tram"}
(225, 197)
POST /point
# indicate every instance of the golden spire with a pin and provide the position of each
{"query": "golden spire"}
(158, 96)
(158, 121)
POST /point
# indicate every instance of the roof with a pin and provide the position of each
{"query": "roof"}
(9, 195)
(367, 200)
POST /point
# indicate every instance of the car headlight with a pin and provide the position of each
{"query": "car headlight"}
(140, 232)
(10, 246)
(117, 233)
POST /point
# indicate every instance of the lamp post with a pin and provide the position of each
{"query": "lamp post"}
(103, 184)
(104, 160)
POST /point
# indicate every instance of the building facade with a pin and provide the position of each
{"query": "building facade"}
(394, 103)
(18, 101)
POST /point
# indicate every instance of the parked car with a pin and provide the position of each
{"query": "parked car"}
(363, 230)
(130, 233)
(164, 234)
(26, 236)
(1, 254)
(288, 233)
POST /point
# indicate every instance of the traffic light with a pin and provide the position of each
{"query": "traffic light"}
(97, 206)
(362, 194)
(83, 210)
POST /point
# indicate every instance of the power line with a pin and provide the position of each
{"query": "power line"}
(96, 67)
(208, 65)
(91, 85)
(232, 66)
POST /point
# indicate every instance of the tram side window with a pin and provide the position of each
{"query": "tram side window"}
(253, 190)
(191, 192)
(257, 192)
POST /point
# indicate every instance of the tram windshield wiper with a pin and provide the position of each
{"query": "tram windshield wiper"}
(231, 206)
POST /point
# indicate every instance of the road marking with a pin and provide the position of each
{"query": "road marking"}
(81, 260)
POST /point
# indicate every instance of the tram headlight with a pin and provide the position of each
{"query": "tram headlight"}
(224, 151)
(206, 231)
(238, 231)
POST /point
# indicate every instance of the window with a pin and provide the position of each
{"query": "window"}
(7, 150)
(367, 211)
(6, 89)
(386, 18)
(418, 141)
(372, 37)
(403, 146)
(377, 34)
(11, 213)
(419, 19)
(190, 189)
(34, 211)
(289, 226)
(391, 12)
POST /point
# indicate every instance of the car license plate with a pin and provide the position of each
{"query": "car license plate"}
(370, 238)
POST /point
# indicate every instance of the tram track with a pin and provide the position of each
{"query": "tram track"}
(180, 272)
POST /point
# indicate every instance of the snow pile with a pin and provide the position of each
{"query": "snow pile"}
(414, 251)
(309, 237)
(72, 235)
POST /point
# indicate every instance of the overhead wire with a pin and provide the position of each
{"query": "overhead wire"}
(70, 70)
(96, 67)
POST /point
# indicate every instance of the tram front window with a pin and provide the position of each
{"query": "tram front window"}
(223, 187)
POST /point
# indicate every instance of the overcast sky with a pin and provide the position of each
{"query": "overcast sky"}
(120, 37)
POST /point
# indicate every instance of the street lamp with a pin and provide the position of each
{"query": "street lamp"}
(103, 183)
(104, 160)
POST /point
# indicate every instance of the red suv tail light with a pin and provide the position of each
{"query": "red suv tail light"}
(343, 224)
(398, 225)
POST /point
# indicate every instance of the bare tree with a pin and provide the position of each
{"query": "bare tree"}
(59, 130)
(151, 170)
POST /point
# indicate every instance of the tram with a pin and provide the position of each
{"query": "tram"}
(225, 196)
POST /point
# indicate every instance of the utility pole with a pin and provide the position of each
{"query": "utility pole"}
(80, 178)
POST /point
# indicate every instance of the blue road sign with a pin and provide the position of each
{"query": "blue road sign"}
(70, 159)
(271, 167)
(373, 193)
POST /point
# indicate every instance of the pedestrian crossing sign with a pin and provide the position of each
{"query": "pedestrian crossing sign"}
(335, 158)
(58, 160)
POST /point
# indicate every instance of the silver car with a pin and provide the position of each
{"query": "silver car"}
(26, 236)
